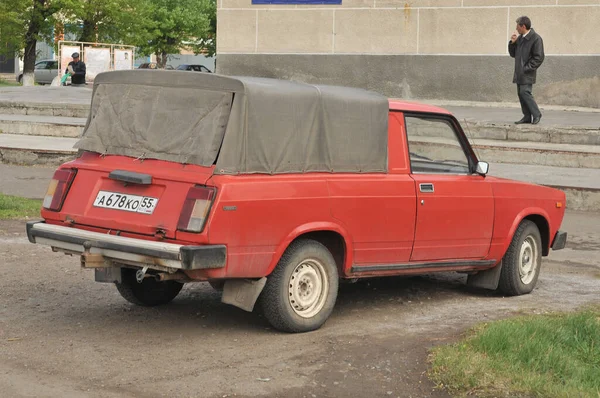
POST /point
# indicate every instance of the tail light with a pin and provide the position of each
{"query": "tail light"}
(196, 208)
(57, 191)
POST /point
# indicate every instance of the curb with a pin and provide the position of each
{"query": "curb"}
(44, 109)
(511, 105)
(35, 157)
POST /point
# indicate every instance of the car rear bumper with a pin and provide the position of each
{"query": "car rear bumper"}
(560, 240)
(127, 250)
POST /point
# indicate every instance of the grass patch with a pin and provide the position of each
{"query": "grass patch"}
(16, 207)
(4, 82)
(531, 356)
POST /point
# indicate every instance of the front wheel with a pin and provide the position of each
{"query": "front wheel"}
(300, 293)
(522, 262)
(150, 292)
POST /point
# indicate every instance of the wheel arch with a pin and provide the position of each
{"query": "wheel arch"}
(332, 236)
(540, 218)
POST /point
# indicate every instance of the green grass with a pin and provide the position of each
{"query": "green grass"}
(4, 82)
(532, 356)
(12, 207)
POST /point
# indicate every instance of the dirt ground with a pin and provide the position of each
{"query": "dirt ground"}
(63, 335)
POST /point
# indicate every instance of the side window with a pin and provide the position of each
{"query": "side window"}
(52, 65)
(41, 65)
(434, 147)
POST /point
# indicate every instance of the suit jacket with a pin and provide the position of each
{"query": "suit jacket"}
(528, 53)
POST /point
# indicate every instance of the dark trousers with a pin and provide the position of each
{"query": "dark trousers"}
(528, 105)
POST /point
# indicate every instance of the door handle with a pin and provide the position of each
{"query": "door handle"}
(427, 188)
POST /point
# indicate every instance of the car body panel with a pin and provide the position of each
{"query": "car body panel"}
(387, 224)
(194, 68)
(456, 220)
(44, 71)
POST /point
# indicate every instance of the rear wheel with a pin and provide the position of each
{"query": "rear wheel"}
(300, 293)
(522, 262)
(150, 292)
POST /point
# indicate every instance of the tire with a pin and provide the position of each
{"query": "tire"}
(300, 293)
(150, 292)
(522, 262)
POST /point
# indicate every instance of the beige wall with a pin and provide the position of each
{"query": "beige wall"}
(445, 27)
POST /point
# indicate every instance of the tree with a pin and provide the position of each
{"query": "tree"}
(24, 23)
(11, 26)
(175, 25)
(107, 21)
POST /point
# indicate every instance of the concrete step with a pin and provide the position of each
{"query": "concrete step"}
(574, 135)
(581, 185)
(44, 109)
(538, 153)
(54, 126)
(45, 101)
(36, 150)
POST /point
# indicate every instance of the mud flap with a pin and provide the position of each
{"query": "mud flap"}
(242, 293)
(488, 279)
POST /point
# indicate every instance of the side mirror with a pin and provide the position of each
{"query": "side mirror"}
(482, 168)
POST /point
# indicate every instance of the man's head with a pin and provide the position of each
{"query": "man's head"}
(75, 57)
(523, 24)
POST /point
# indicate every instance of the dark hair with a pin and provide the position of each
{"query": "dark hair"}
(524, 21)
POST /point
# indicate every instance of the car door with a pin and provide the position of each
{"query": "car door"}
(40, 71)
(455, 206)
(52, 71)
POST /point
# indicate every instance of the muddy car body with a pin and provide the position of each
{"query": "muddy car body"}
(274, 191)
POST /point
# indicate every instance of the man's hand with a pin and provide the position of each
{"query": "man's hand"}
(514, 37)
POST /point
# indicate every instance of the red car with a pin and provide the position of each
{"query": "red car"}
(274, 191)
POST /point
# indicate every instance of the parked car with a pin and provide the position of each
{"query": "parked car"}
(195, 68)
(45, 71)
(274, 191)
(153, 65)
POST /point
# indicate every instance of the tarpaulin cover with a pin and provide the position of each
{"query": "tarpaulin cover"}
(241, 124)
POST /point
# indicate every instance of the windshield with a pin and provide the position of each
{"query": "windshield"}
(182, 67)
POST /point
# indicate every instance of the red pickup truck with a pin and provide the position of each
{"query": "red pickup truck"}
(273, 191)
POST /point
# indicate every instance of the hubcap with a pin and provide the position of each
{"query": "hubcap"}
(308, 288)
(528, 260)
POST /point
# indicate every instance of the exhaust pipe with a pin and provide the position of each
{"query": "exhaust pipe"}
(178, 276)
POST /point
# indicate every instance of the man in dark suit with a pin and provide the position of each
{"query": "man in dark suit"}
(77, 70)
(527, 48)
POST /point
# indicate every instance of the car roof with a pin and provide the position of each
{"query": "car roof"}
(408, 106)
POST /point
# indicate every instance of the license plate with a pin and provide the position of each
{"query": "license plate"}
(126, 202)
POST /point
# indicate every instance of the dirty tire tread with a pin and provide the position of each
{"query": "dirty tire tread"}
(149, 293)
(275, 306)
(510, 283)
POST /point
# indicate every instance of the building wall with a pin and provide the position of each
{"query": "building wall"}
(428, 49)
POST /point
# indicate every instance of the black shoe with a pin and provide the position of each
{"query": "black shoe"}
(524, 120)
(536, 119)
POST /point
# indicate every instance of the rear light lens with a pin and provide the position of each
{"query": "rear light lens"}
(196, 209)
(58, 188)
